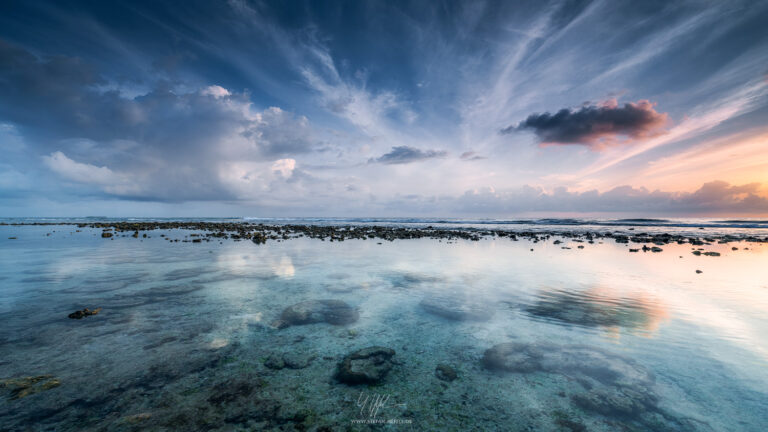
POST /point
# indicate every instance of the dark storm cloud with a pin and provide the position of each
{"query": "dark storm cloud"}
(594, 125)
(406, 154)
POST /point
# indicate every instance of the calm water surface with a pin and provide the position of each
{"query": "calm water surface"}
(585, 339)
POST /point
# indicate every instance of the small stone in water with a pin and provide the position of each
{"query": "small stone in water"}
(84, 313)
(445, 372)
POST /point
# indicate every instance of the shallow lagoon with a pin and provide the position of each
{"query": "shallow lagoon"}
(585, 339)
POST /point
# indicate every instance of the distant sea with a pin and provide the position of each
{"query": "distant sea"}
(742, 226)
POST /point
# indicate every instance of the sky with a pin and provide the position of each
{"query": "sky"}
(383, 108)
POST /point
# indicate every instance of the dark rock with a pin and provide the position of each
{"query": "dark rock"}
(445, 372)
(280, 324)
(699, 271)
(255, 410)
(297, 360)
(366, 366)
(711, 253)
(274, 362)
(571, 425)
(84, 313)
(230, 391)
(334, 312)
(106, 234)
(455, 309)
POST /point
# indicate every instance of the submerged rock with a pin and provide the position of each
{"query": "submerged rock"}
(455, 309)
(256, 410)
(297, 360)
(274, 362)
(411, 279)
(137, 418)
(366, 366)
(584, 363)
(334, 312)
(445, 372)
(84, 313)
(230, 391)
(513, 357)
(614, 386)
(616, 402)
(25, 386)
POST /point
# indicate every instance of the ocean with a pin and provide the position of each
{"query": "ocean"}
(553, 333)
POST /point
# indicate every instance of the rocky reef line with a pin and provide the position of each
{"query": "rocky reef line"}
(261, 233)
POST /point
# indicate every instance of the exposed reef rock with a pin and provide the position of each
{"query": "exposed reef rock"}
(84, 313)
(261, 233)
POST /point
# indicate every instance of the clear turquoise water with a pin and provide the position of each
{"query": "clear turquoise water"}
(184, 331)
